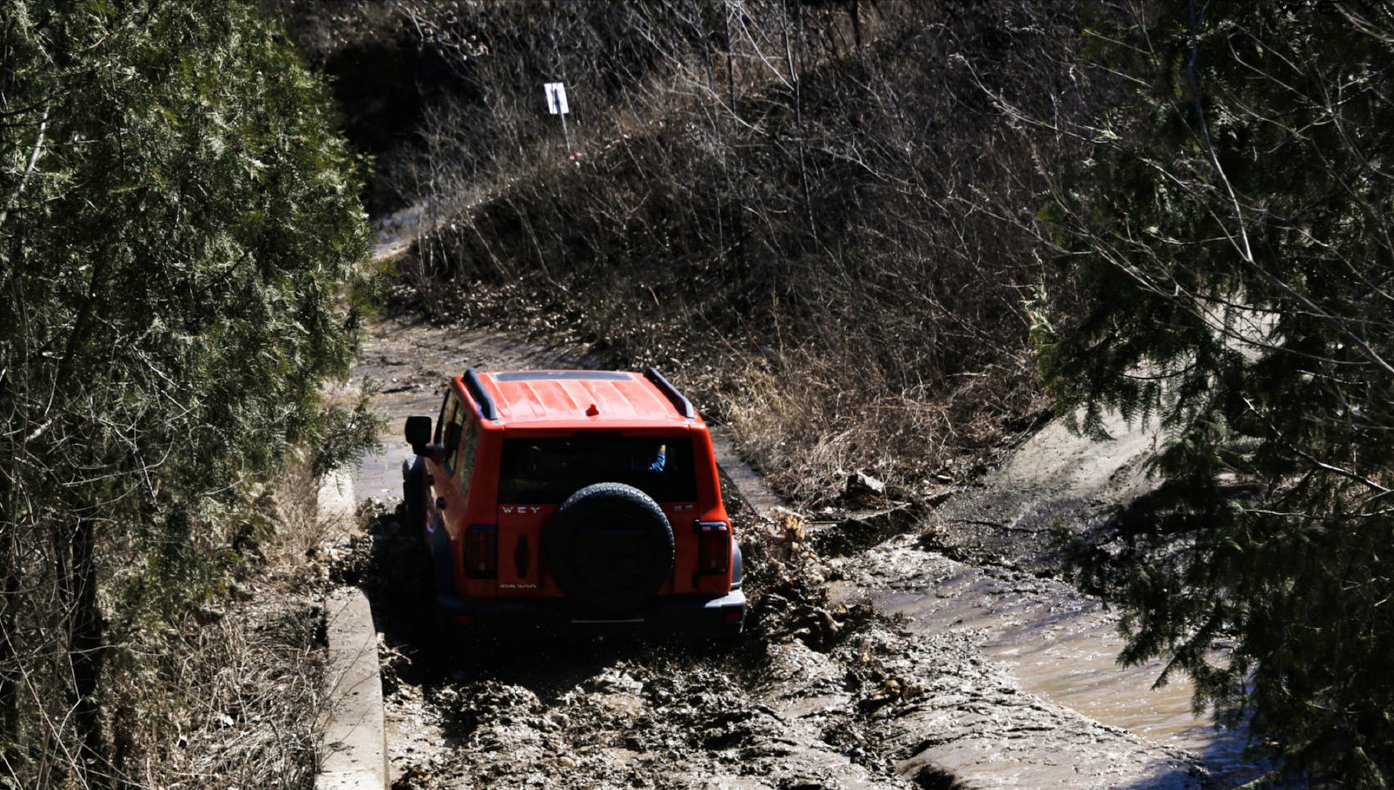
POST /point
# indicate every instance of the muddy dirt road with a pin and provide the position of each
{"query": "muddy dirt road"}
(872, 659)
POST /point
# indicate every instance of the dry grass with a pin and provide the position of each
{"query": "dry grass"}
(809, 422)
(213, 673)
(297, 514)
(834, 267)
(226, 703)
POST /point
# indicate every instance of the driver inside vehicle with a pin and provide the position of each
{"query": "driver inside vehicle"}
(659, 459)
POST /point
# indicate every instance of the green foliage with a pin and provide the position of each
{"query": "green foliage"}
(1232, 235)
(177, 218)
(340, 433)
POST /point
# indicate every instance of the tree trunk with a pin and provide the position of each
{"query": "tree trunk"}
(11, 726)
(86, 652)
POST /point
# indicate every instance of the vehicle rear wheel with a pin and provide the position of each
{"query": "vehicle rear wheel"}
(610, 548)
(416, 580)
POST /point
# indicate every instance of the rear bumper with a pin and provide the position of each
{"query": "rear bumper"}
(724, 616)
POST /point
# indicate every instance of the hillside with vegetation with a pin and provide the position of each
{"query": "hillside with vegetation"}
(871, 236)
(809, 213)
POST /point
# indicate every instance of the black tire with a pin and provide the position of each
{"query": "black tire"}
(610, 548)
(414, 498)
(415, 578)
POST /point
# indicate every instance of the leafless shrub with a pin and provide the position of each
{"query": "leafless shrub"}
(223, 694)
(810, 429)
(299, 530)
(228, 700)
(814, 216)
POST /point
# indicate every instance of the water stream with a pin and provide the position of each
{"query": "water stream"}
(1060, 646)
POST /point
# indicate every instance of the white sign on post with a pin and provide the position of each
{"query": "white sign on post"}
(556, 98)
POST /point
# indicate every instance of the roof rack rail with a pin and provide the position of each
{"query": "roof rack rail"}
(487, 409)
(682, 404)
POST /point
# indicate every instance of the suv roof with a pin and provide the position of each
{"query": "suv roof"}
(578, 398)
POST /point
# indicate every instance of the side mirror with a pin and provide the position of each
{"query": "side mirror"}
(418, 433)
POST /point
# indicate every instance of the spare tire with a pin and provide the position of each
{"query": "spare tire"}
(609, 547)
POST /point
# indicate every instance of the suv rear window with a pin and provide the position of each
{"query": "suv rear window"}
(547, 471)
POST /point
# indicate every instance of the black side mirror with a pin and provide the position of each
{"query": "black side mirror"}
(418, 433)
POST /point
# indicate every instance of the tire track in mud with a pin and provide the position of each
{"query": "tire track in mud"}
(820, 692)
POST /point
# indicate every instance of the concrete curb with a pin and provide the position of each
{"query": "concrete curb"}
(352, 746)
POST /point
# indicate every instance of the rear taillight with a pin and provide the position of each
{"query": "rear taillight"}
(713, 547)
(482, 551)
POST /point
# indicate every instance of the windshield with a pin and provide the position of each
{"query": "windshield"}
(547, 471)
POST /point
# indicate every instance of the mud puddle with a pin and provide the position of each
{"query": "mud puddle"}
(580, 711)
(1054, 642)
(816, 694)
(821, 692)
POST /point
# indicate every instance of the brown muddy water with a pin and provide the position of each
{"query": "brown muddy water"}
(1000, 679)
(1057, 643)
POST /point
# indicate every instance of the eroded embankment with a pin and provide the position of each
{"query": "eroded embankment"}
(825, 689)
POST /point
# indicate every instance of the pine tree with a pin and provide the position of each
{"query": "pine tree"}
(1233, 235)
(176, 219)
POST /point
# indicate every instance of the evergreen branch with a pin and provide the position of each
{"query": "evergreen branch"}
(1313, 460)
(28, 169)
(1240, 241)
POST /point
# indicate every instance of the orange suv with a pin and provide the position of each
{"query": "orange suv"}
(572, 496)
